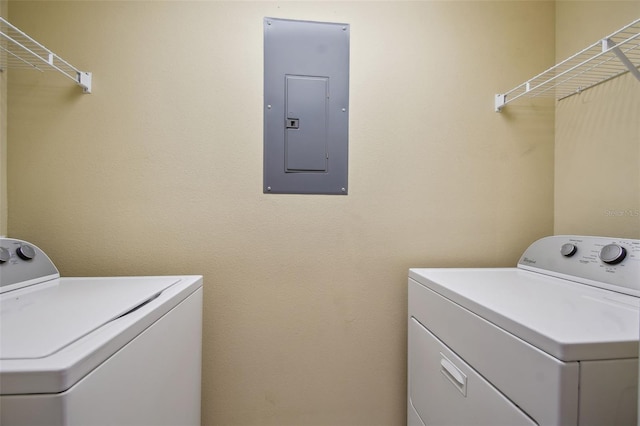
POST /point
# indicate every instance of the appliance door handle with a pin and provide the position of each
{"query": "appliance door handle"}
(453, 374)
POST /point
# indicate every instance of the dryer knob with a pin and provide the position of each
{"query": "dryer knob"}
(568, 249)
(26, 252)
(612, 254)
(5, 255)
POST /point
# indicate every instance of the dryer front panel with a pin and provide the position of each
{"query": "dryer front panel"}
(444, 390)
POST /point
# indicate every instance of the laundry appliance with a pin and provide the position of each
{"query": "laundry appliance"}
(552, 341)
(96, 351)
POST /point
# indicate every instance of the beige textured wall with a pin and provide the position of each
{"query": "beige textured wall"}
(597, 152)
(4, 9)
(159, 172)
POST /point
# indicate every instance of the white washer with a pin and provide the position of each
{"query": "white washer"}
(553, 341)
(96, 351)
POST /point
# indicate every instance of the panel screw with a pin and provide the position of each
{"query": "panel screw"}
(344, 190)
(269, 106)
(268, 22)
(344, 109)
(344, 28)
(268, 188)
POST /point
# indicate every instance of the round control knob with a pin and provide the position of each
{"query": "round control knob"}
(5, 255)
(26, 252)
(568, 250)
(612, 254)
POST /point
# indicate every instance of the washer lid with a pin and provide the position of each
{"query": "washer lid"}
(567, 320)
(40, 320)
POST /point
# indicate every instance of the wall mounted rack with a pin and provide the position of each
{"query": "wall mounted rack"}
(605, 59)
(18, 50)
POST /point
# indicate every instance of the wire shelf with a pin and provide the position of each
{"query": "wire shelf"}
(18, 50)
(605, 59)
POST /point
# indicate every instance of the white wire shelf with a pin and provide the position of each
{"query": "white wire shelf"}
(605, 59)
(18, 50)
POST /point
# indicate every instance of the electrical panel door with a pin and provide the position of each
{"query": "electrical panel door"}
(306, 107)
(306, 123)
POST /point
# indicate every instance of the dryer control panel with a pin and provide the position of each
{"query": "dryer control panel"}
(606, 262)
(23, 264)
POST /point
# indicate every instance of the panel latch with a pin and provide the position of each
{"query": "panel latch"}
(293, 123)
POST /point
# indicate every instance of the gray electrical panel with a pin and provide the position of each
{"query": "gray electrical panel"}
(306, 107)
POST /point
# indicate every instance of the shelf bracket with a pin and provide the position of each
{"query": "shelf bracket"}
(500, 101)
(608, 44)
(84, 81)
(18, 50)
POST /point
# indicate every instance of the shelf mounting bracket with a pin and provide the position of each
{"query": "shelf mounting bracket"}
(607, 44)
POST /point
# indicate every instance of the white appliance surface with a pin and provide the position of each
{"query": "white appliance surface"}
(70, 308)
(553, 341)
(99, 350)
(568, 320)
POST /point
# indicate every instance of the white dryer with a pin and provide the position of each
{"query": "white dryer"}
(96, 351)
(553, 341)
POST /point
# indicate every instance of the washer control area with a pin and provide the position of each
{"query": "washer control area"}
(613, 254)
(23, 264)
(568, 249)
(611, 263)
(24, 252)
